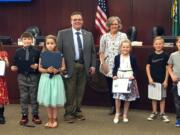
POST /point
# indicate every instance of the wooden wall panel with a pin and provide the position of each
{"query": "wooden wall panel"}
(52, 15)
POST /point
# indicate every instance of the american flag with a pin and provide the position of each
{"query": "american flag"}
(101, 16)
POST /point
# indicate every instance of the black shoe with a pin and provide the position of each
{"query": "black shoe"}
(80, 117)
(2, 120)
(112, 111)
(69, 118)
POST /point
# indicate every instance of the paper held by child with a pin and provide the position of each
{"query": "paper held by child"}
(121, 86)
(178, 88)
(155, 91)
(2, 67)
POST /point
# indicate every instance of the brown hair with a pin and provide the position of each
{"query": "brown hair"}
(76, 13)
(1, 46)
(158, 38)
(54, 39)
(113, 18)
(27, 35)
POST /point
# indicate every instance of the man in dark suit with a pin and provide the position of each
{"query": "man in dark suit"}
(77, 46)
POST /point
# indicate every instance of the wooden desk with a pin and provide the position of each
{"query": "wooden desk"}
(96, 89)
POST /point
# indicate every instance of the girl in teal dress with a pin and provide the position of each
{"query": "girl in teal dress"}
(51, 88)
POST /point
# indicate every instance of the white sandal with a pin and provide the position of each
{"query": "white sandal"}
(116, 118)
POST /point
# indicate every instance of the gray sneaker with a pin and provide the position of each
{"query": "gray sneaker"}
(152, 116)
(164, 118)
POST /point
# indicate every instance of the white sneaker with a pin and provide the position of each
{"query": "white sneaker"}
(125, 120)
(116, 119)
(152, 116)
(164, 118)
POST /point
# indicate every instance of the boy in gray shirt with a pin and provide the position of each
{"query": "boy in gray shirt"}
(174, 71)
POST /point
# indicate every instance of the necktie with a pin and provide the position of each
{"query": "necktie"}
(27, 54)
(80, 47)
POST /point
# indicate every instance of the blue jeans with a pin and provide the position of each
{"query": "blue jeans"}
(176, 101)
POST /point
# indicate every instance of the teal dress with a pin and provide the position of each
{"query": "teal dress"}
(51, 91)
(51, 87)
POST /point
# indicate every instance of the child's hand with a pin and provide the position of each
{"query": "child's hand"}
(55, 71)
(151, 82)
(115, 77)
(14, 68)
(50, 69)
(34, 66)
(165, 84)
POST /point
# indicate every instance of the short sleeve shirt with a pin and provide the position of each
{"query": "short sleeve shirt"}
(158, 63)
(174, 60)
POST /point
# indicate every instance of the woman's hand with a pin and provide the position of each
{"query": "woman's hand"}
(131, 78)
(115, 77)
(165, 84)
(174, 78)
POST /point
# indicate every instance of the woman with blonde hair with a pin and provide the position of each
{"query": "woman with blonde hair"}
(109, 48)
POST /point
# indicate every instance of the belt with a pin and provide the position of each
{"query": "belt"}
(124, 70)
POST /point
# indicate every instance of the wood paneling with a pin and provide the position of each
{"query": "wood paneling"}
(52, 15)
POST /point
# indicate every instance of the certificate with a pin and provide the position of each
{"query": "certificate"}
(51, 59)
(178, 88)
(2, 67)
(120, 86)
(155, 91)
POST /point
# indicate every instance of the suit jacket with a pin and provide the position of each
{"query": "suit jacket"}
(117, 64)
(65, 43)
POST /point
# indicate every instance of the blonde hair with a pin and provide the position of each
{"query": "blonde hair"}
(158, 38)
(125, 41)
(112, 19)
(50, 37)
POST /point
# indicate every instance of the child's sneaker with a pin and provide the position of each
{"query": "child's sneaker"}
(36, 119)
(177, 123)
(24, 120)
(152, 116)
(164, 118)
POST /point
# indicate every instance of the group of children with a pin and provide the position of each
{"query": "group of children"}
(49, 91)
(158, 68)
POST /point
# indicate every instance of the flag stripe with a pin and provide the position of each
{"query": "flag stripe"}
(101, 17)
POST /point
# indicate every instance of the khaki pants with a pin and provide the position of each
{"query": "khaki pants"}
(75, 88)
